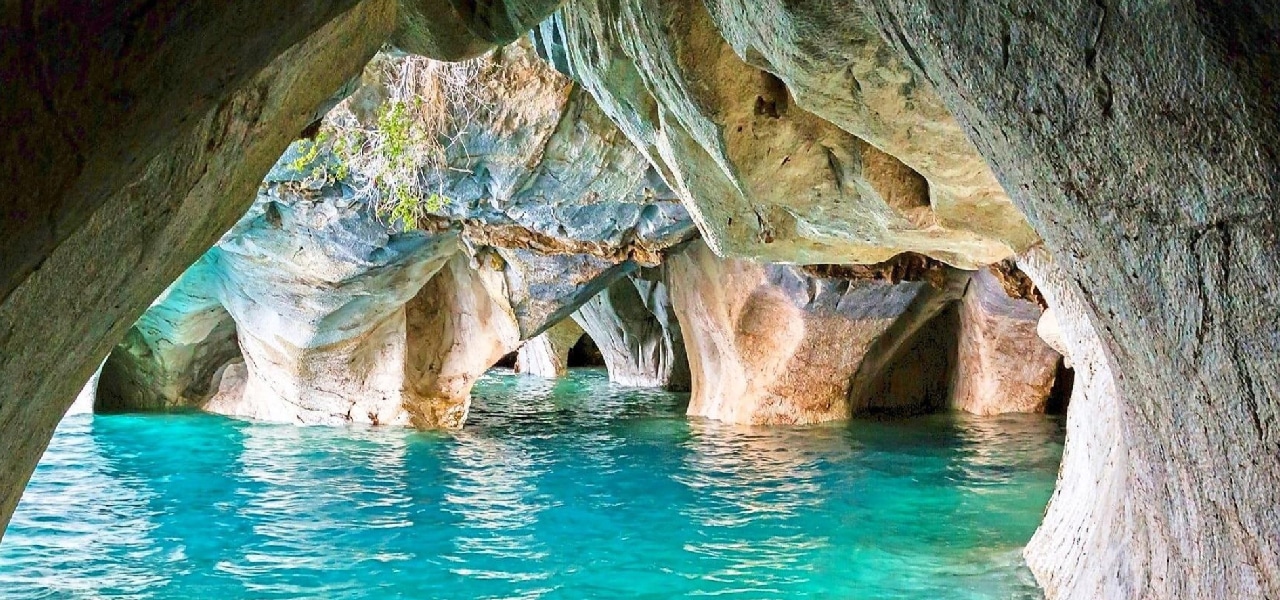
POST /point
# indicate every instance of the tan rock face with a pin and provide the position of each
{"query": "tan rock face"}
(459, 325)
(547, 354)
(1155, 193)
(763, 177)
(769, 344)
(159, 172)
(836, 65)
(1002, 366)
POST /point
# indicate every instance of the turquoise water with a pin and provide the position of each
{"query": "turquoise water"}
(569, 489)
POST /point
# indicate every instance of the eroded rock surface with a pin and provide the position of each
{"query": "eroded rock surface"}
(763, 177)
(459, 325)
(169, 357)
(1140, 141)
(638, 349)
(134, 166)
(1002, 366)
(547, 354)
(772, 344)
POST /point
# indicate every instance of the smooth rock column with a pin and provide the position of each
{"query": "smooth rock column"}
(459, 325)
(547, 354)
(317, 286)
(1003, 366)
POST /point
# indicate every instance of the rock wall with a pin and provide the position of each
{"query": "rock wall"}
(772, 344)
(638, 348)
(1003, 366)
(763, 177)
(1090, 507)
(148, 152)
(169, 357)
(1140, 141)
(458, 326)
(547, 354)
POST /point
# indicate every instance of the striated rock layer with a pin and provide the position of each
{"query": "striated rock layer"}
(638, 347)
(547, 354)
(1140, 140)
(772, 344)
(459, 325)
(764, 177)
(316, 285)
(1002, 365)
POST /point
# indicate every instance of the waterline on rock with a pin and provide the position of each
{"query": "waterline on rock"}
(563, 488)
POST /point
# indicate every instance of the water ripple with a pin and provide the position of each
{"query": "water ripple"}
(557, 489)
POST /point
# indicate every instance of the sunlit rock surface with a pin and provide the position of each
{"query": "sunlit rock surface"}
(547, 354)
(530, 162)
(317, 285)
(1095, 477)
(1002, 365)
(772, 344)
(459, 325)
(762, 176)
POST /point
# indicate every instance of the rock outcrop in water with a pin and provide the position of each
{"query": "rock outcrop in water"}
(777, 344)
(1002, 364)
(547, 354)
(640, 348)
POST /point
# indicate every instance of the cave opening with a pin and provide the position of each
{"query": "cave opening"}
(585, 353)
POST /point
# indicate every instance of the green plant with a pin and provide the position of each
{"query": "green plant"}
(398, 152)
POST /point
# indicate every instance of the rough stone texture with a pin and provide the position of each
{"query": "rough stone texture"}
(1140, 140)
(769, 344)
(544, 290)
(638, 350)
(547, 354)
(762, 177)
(317, 285)
(139, 154)
(1003, 366)
(1091, 505)
(536, 165)
(459, 325)
(836, 65)
(460, 29)
(169, 357)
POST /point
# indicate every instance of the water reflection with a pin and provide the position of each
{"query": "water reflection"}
(566, 489)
